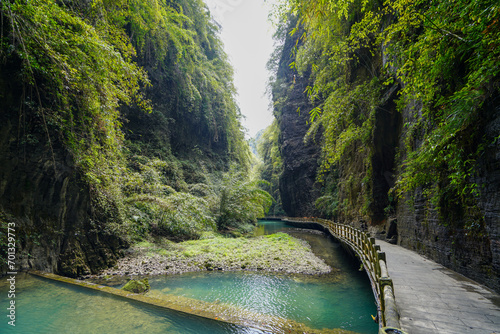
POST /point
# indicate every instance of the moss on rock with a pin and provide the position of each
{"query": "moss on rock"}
(137, 286)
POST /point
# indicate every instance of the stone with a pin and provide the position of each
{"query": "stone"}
(137, 286)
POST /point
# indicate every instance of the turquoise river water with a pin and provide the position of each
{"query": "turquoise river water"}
(342, 299)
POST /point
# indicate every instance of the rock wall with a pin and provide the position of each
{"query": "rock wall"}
(445, 239)
(489, 181)
(42, 193)
(462, 234)
(297, 183)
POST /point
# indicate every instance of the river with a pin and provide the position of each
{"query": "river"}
(342, 299)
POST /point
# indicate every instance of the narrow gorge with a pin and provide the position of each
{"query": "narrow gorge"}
(124, 152)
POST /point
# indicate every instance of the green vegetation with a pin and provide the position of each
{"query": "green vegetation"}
(140, 94)
(218, 246)
(275, 252)
(229, 201)
(271, 166)
(138, 98)
(137, 286)
(241, 200)
(442, 59)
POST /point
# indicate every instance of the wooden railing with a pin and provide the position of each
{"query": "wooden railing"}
(374, 263)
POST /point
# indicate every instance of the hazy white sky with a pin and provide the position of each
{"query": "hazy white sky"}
(247, 37)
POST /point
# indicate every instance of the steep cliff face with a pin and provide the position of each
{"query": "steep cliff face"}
(409, 120)
(40, 191)
(178, 124)
(104, 106)
(298, 188)
(446, 235)
(297, 182)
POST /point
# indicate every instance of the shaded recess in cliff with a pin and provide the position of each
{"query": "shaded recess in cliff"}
(298, 188)
(57, 228)
(386, 136)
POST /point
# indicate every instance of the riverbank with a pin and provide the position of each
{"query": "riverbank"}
(278, 252)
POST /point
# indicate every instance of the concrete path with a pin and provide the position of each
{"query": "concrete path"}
(433, 299)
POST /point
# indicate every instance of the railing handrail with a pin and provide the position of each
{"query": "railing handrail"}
(374, 262)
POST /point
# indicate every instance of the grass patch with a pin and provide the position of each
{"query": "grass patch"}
(276, 252)
(240, 248)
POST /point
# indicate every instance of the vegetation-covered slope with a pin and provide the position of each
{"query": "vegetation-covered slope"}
(404, 105)
(118, 122)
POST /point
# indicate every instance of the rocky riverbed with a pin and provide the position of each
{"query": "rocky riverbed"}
(277, 252)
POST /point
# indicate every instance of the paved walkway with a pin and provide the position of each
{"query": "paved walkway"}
(433, 299)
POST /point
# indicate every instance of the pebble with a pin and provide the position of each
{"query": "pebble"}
(138, 264)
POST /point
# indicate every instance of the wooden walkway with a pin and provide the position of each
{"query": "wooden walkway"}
(433, 299)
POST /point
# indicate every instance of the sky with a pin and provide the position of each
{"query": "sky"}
(247, 37)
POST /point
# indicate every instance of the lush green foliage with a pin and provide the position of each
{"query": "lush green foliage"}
(272, 165)
(178, 216)
(230, 200)
(240, 200)
(452, 67)
(159, 68)
(332, 50)
(79, 75)
(444, 55)
(193, 89)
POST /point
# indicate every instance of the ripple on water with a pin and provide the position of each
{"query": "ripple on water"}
(341, 299)
(44, 306)
(318, 301)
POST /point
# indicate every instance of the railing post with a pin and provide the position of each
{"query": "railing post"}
(382, 275)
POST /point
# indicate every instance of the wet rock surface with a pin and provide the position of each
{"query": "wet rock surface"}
(137, 286)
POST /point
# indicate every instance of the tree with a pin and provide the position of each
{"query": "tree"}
(240, 200)
(443, 57)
